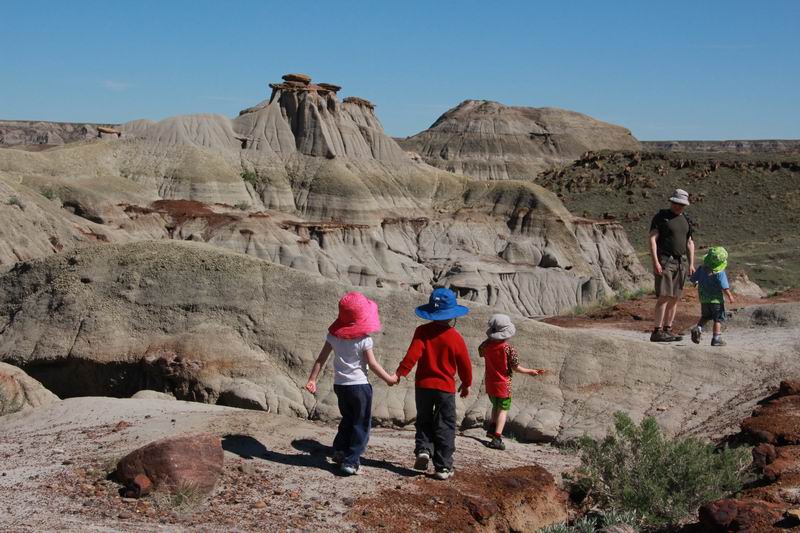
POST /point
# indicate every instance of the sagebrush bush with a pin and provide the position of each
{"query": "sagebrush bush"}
(637, 469)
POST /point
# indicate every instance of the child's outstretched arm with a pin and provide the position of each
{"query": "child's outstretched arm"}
(529, 371)
(375, 366)
(311, 386)
(729, 294)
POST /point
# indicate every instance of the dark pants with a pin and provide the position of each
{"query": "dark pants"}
(355, 405)
(436, 425)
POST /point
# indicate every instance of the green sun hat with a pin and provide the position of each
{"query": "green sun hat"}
(716, 259)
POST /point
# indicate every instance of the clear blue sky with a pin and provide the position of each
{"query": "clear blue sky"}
(666, 70)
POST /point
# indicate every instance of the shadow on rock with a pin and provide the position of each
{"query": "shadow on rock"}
(314, 455)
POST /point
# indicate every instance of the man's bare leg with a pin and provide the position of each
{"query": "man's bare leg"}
(661, 307)
(671, 311)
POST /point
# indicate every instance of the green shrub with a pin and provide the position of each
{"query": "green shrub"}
(50, 194)
(588, 524)
(250, 176)
(242, 206)
(13, 200)
(637, 469)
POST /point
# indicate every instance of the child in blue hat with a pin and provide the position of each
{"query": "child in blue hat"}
(439, 351)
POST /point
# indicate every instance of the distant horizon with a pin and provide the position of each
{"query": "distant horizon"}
(680, 72)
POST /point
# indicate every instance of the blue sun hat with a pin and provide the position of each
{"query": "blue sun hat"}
(441, 306)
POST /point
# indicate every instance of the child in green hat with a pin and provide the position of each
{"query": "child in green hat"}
(712, 283)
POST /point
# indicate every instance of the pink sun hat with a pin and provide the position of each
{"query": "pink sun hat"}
(358, 317)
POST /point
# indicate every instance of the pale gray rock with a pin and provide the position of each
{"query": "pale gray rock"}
(20, 392)
(145, 394)
(204, 323)
(491, 141)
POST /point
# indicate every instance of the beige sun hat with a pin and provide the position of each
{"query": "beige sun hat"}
(500, 327)
(679, 196)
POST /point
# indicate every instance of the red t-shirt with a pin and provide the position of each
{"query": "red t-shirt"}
(501, 360)
(439, 351)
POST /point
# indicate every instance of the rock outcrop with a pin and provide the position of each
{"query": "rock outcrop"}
(191, 462)
(318, 186)
(38, 134)
(490, 141)
(772, 503)
(741, 146)
(20, 392)
(219, 327)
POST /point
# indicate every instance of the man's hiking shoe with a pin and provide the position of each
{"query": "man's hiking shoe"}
(696, 334)
(718, 342)
(497, 444)
(443, 473)
(659, 335)
(421, 462)
(675, 337)
(337, 457)
(349, 470)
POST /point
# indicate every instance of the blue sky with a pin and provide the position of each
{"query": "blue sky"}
(667, 70)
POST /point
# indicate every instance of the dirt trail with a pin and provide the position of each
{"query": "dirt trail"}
(60, 455)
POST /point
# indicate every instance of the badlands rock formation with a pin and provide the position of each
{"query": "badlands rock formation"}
(319, 187)
(39, 134)
(215, 326)
(490, 141)
(20, 392)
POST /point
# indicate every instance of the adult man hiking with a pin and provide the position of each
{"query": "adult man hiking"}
(670, 240)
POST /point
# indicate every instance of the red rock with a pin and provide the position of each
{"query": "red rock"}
(122, 424)
(740, 515)
(789, 387)
(763, 454)
(189, 460)
(481, 509)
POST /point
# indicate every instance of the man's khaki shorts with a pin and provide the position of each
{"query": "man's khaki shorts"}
(672, 279)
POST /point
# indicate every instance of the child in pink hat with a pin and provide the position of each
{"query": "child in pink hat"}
(348, 338)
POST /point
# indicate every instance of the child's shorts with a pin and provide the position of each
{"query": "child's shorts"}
(504, 404)
(715, 312)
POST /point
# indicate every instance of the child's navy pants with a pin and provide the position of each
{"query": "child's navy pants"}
(355, 405)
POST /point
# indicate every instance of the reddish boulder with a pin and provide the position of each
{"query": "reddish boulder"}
(777, 421)
(189, 460)
(302, 78)
(763, 454)
(740, 515)
(789, 387)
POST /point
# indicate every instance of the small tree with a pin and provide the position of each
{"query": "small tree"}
(637, 469)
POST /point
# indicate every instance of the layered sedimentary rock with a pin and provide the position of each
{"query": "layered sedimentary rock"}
(313, 183)
(491, 141)
(211, 325)
(43, 134)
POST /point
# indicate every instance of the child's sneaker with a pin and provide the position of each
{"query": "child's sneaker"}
(443, 473)
(497, 443)
(349, 470)
(337, 457)
(421, 462)
(717, 341)
(697, 333)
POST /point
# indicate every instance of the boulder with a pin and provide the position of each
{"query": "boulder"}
(742, 286)
(301, 78)
(153, 395)
(739, 515)
(20, 392)
(189, 461)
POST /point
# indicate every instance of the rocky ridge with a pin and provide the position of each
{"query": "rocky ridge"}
(491, 141)
(309, 182)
